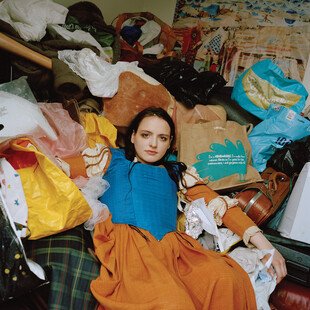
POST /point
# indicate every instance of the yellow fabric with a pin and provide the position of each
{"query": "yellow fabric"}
(98, 129)
(54, 202)
(140, 272)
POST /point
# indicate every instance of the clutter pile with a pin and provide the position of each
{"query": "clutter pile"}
(249, 142)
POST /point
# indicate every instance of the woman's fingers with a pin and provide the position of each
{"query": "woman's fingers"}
(278, 265)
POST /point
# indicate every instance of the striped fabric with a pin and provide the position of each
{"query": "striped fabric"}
(73, 268)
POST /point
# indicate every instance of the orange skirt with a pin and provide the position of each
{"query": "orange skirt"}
(140, 272)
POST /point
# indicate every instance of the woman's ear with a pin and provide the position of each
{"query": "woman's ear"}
(132, 138)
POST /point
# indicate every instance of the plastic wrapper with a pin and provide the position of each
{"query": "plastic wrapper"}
(265, 84)
(72, 139)
(95, 188)
(19, 87)
(22, 117)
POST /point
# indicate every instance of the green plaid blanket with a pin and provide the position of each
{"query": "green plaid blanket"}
(73, 268)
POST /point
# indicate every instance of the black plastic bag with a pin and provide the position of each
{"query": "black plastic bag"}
(186, 84)
(292, 157)
(171, 72)
(198, 89)
(16, 277)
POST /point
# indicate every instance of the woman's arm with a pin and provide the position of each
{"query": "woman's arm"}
(234, 218)
(237, 221)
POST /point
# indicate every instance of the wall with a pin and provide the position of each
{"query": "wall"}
(163, 9)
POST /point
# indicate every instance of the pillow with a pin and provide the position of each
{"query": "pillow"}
(135, 93)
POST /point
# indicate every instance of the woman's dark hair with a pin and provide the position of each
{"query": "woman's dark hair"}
(174, 168)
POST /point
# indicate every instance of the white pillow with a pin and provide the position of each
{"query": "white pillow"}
(19, 116)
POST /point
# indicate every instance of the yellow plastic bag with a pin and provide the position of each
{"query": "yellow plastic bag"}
(54, 202)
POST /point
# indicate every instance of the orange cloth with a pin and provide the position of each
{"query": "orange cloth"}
(234, 218)
(140, 272)
(77, 166)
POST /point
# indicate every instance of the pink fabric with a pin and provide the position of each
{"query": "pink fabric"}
(71, 135)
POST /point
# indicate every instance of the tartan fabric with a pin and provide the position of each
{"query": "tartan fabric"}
(73, 268)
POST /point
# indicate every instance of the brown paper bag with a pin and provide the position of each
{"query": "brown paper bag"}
(221, 153)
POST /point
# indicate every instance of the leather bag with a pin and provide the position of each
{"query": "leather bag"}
(261, 200)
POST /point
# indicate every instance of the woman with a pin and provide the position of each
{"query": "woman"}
(145, 262)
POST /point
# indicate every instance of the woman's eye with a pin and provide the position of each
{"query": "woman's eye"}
(144, 135)
(164, 139)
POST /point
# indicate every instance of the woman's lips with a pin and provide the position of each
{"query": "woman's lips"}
(151, 152)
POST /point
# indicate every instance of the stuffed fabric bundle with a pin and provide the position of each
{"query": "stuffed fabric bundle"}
(264, 84)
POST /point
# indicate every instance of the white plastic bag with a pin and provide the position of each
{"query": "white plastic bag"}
(19, 116)
(101, 77)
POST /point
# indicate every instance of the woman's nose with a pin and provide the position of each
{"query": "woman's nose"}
(153, 142)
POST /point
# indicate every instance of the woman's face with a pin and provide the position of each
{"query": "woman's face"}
(152, 139)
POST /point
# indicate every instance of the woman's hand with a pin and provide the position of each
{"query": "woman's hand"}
(278, 265)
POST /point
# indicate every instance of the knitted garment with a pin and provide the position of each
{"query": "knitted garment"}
(132, 200)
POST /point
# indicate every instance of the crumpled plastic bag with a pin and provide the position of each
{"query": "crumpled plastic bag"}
(281, 127)
(19, 87)
(22, 117)
(186, 84)
(263, 283)
(14, 196)
(95, 188)
(101, 77)
(71, 136)
(55, 203)
(265, 84)
(30, 18)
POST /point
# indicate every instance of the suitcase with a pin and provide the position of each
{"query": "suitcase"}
(296, 254)
(261, 200)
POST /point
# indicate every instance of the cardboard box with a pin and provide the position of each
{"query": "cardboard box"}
(295, 221)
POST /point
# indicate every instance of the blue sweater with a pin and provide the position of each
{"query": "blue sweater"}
(141, 195)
